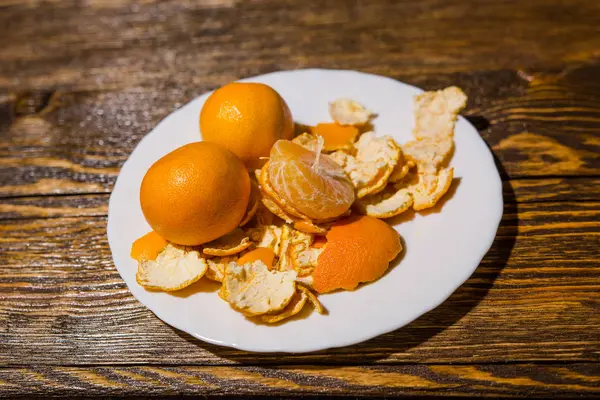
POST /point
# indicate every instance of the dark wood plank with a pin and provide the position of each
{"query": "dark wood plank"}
(118, 44)
(79, 205)
(77, 142)
(531, 380)
(552, 189)
(80, 89)
(535, 296)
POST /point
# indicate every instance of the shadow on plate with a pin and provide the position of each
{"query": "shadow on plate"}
(424, 328)
(202, 286)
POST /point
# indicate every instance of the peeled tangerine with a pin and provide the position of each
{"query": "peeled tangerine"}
(359, 249)
(310, 182)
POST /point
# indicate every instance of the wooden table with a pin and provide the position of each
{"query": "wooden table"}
(81, 82)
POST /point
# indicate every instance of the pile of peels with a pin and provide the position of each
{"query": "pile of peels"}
(390, 178)
(298, 233)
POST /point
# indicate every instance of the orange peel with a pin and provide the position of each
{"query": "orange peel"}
(436, 112)
(429, 154)
(294, 307)
(253, 289)
(335, 136)
(386, 204)
(234, 242)
(371, 167)
(307, 140)
(359, 249)
(264, 254)
(216, 267)
(427, 189)
(312, 299)
(175, 268)
(148, 247)
(349, 112)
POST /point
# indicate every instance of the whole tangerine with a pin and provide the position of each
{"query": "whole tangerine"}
(246, 118)
(195, 194)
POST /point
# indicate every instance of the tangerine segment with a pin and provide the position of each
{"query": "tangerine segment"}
(312, 183)
(336, 136)
(264, 254)
(270, 192)
(148, 247)
(359, 249)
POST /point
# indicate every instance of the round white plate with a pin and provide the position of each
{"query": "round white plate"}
(442, 249)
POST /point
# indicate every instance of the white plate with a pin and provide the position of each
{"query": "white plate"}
(442, 248)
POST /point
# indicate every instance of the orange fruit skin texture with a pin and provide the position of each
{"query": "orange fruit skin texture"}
(359, 249)
(319, 192)
(336, 136)
(195, 194)
(246, 118)
(263, 254)
(148, 247)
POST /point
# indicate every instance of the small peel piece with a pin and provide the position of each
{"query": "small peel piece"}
(371, 167)
(302, 255)
(294, 307)
(216, 267)
(312, 299)
(309, 227)
(336, 136)
(436, 112)
(268, 236)
(427, 189)
(234, 242)
(264, 254)
(174, 269)
(254, 290)
(348, 112)
(402, 168)
(429, 154)
(307, 140)
(386, 204)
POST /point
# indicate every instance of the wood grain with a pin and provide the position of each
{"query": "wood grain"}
(86, 97)
(81, 83)
(531, 380)
(80, 205)
(116, 44)
(78, 141)
(62, 301)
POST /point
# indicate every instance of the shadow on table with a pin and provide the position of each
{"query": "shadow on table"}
(463, 300)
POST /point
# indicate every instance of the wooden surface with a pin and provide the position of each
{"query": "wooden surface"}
(81, 82)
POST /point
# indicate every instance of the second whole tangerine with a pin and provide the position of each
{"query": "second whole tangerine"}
(247, 118)
(195, 194)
